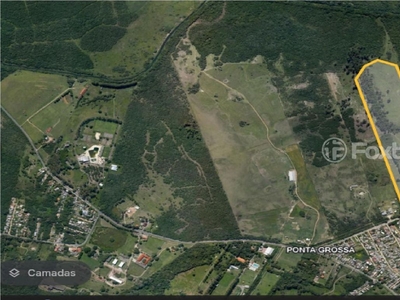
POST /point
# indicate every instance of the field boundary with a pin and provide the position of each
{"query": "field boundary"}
(371, 120)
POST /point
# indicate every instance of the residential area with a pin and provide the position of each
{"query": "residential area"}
(72, 218)
(378, 256)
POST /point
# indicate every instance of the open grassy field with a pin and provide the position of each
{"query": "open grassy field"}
(25, 92)
(76, 176)
(288, 261)
(152, 245)
(152, 198)
(165, 257)
(332, 184)
(108, 239)
(267, 282)
(53, 118)
(92, 284)
(104, 223)
(135, 49)
(300, 224)
(208, 281)
(136, 270)
(254, 81)
(92, 263)
(106, 152)
(127, 248)
(237, 118)
(225, 283)
(187, 282)
(382, 191)
(101, 126)
(44, 251)
(248, 277)
(34, 132)
(305, 185)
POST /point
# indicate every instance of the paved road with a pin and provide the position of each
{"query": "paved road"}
(26, 239)
(359, 233)
(88, 236)
(361, 272)
(140, 232)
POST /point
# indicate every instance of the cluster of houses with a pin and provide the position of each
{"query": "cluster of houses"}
(253, 266)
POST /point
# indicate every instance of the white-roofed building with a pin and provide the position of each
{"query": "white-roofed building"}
(292, 175)
(267, 251)
(121, 264)
(83, 158)
(114, 262)
(115, 279)
(114, 167)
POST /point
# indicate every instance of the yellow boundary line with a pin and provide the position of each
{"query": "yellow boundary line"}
(371, 120)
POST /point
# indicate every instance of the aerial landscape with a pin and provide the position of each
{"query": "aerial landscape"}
(212, 148)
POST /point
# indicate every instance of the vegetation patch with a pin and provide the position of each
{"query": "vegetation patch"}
(164, 129)
(187, 282)
(306, 186)
(102, 38)
(314, 41)
(102, 126)
(49, 35)
(108, 239)
(225, 283)
(157, 284)
(266, 284)
(92, 263)
(13, 147)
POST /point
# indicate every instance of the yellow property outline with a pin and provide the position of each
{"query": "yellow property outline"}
(371, 120)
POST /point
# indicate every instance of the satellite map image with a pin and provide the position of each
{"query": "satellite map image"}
(200, 148)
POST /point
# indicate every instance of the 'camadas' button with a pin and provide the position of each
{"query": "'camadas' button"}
(69, 273)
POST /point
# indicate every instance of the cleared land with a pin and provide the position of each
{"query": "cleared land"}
(152, 198)
(52, 119)
(92, 263)
(108, 239)
(129, 245)
(244, 126)
(226, 283)
(187, 282)
(151, 246)
(251, 170)
(101, 126)
(267, 282)
(25, 92)
(248, 277)
(288, 261)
